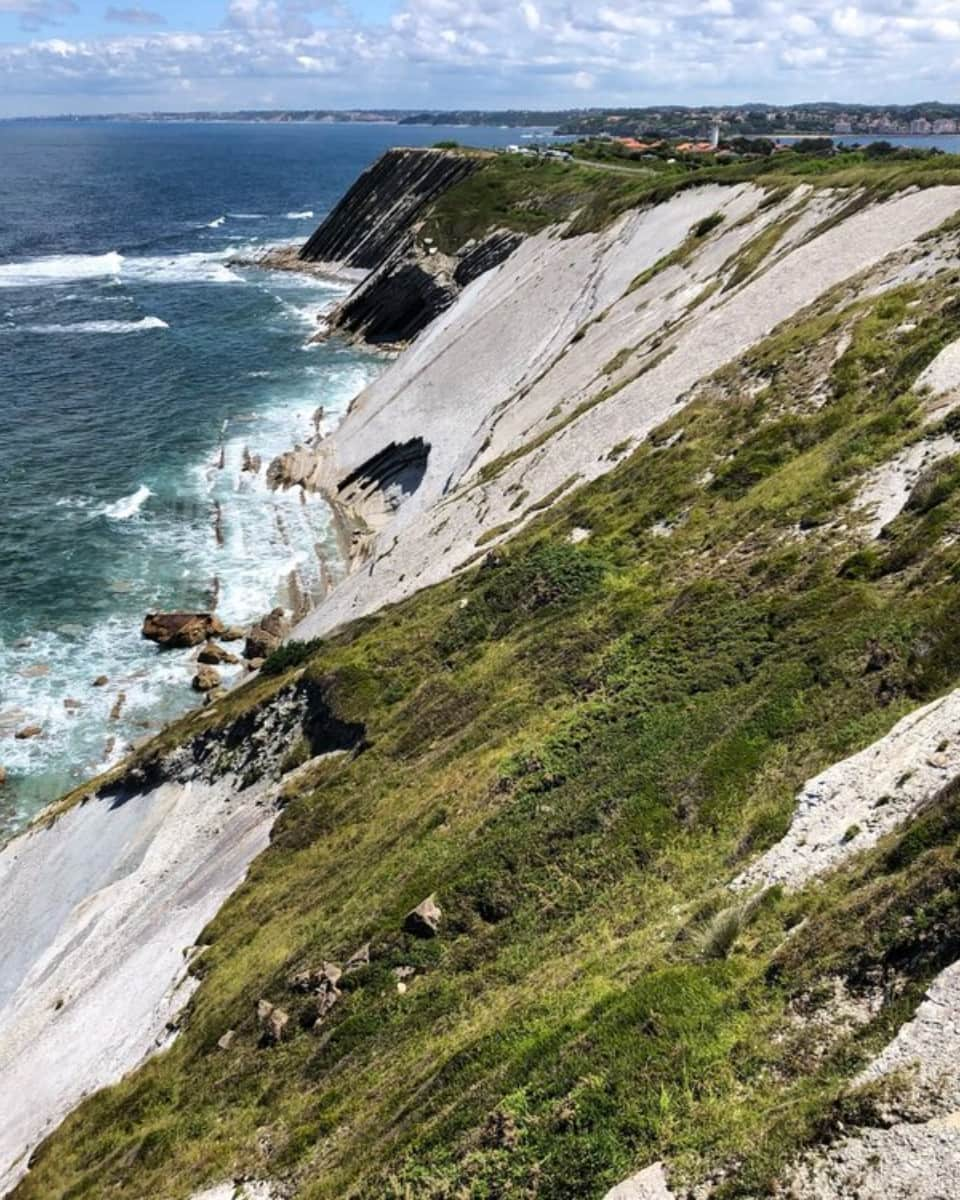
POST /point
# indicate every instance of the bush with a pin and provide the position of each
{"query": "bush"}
(290, 654)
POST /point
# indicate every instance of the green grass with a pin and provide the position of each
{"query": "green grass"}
(575, 749)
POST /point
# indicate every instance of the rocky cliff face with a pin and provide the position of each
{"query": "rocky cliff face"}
(376, 228)
(375, 215)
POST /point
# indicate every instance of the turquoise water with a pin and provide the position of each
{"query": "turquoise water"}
(137, 365)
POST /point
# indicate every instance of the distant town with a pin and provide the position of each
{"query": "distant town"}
(675, 121)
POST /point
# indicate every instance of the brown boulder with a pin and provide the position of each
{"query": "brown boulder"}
(178, 630)
(266, 635)
(214, 655)
(273, 1022)
(3, 776)
(28, 731)
(101, 681)
(71, 705)
(424, 920)
(233, 633)
(206, 679)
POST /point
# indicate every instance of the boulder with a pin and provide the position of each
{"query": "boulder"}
(214, 655)
(28, 731)
(178, 630)
(72, 705)
(206, 679)
(254, 664)
(314, 979)
(3, 776)
(226, 1041)
(424, 920)
(273, 1022)
(266, 635)
(215, 694)
(100, 681)
(648, 1184)
(360, 959)
(233, 633)
(36, 671)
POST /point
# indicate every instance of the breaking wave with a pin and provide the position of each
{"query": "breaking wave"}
(128, 506)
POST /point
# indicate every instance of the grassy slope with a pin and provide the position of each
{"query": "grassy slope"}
(526, 194)
(575, 748)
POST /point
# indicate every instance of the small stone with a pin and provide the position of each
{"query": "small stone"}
(23, 643)
(404, 972)
(206, 679)
(118, 706)
(360, 959)
(36, 671)
(273, 1022)
(233, 633)
(101, 681)
(214, 655)
(28, 731)
(3, 776)
(71, 705)
(226, 1041)
(254, 664)
(215, 694)
(424, 920)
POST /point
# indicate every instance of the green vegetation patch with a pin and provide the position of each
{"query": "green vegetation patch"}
(574, 749)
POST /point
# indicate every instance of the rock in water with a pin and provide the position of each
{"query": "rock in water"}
(3, 777)
(214, 655)
(178, 630)
(206, 679)
(266, 635)
(424, 920)
(28, 731)
(101, 681)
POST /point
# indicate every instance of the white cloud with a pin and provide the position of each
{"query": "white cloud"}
(494, 53)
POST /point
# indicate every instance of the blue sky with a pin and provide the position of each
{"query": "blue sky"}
(134, 55)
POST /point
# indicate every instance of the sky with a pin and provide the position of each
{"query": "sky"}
(80, 56)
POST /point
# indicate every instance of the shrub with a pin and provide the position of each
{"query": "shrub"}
(290, 654)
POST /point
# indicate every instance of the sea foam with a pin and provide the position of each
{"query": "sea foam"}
(59, 269)
(127, 506)
(300, 216)
(100, 326)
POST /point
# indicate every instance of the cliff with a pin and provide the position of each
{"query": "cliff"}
(374, 216)
(379, 228)
(613, 796)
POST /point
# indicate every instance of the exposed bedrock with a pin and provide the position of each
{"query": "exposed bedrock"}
(100, 911)
(373, 217)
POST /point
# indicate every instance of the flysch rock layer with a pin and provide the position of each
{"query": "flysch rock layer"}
(101, 911)
(251, 1189)
(854, 803)
(888, 488)
(523, 352)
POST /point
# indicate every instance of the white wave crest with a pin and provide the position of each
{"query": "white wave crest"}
(300, 216)
(216, 223)
(246, 216)
(59, 269)
(100, 326)
(127, 506)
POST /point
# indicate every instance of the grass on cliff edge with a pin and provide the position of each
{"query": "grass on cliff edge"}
(574, 749)
(527, 194)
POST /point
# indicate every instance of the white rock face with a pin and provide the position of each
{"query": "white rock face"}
(887, 489)
(252, 1189)
(522, 359)
(649, 1184)
(98, 915)
(855, 802)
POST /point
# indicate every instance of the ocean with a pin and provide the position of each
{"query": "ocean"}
(138, 365)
